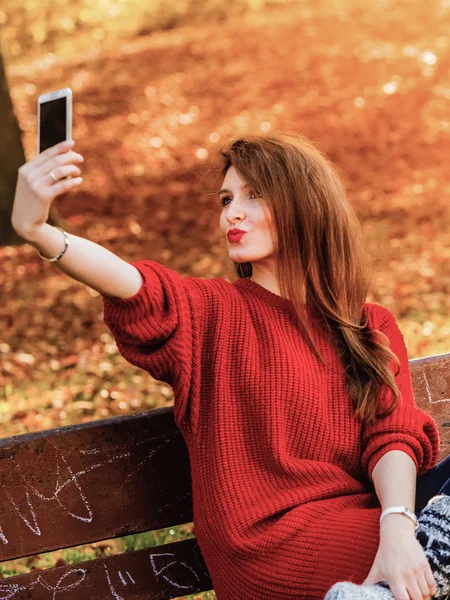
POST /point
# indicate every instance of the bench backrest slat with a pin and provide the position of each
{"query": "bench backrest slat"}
(430, 377)
(99, 480)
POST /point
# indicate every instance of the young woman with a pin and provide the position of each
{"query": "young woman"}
(292, 392)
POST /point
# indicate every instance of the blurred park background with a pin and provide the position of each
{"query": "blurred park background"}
(157, 87)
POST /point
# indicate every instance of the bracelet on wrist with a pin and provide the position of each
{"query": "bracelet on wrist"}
(401, 510)
(63, 251)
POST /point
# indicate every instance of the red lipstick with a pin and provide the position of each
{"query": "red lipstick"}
(234, 235)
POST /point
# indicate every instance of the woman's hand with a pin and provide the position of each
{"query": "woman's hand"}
(36, 189)
(402, 562)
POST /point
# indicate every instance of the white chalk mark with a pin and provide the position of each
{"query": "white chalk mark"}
(430, 398)
(74, 478)
(57, 588)
(54, 496)
(3, 537)
(11, 589)
(34, 527)
(132, 580)
(121, 578)
(111, 587)
(92, 468)
(30, 489)
(165, 567)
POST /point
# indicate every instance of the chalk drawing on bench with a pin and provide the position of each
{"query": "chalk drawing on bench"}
(9, 590)
(167, 566)
(111, 587)
(35, 527)
(122, 578)
(159, 568)
(3, 536)
(62, 469)
(430, 398)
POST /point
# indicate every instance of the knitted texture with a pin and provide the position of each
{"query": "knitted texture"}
(434, 535)
(283, 496)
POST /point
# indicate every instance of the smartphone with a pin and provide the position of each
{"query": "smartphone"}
(54, 118)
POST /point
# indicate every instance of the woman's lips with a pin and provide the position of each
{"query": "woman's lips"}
(235, 237)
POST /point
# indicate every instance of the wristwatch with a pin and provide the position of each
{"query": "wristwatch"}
(401, 510)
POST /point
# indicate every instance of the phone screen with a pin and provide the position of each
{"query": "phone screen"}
(52, 123)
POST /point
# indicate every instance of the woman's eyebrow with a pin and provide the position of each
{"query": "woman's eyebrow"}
(225, 191)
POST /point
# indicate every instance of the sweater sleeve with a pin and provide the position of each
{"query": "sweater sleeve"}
(408, 427)
(159, 328)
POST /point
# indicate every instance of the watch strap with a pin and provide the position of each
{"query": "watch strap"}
(401, 510)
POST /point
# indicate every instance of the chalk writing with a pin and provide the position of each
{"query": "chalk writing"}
(111, 587)
(65, 477)
(123, 580)
(3, 537)
(9, 590)
(132, 580)
(167, 566)
(430, 398)
(160, 562)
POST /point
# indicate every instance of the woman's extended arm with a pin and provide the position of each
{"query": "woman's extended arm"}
(85, 261)
(89, 263)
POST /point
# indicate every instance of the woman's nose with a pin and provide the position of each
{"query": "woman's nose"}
(235, 222)
(235, 213)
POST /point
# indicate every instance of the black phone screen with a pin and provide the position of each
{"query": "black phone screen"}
(52, 126)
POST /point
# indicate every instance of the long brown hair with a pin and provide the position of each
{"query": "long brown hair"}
(320, 255)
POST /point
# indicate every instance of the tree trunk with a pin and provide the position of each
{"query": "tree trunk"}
(12, 156)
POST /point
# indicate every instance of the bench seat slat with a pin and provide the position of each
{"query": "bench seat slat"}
(168, 571)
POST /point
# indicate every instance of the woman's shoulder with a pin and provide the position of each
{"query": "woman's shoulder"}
(378, 315)
(212, 292)
(215, 285)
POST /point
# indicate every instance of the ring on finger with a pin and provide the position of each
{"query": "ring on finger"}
(52, 175)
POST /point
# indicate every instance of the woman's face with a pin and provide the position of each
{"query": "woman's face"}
(243, 208)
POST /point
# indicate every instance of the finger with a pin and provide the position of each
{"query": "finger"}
(42, 157)
(60, 159)
(423, 585)
(430, 580)
(414, 589)
(400, 592)
(59, 173)
(64, 185)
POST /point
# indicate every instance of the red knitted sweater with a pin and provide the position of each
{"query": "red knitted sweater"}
(284, 503)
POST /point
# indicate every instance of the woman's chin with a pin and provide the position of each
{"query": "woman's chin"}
(240, 258)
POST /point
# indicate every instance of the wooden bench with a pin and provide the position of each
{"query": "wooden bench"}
(110, 478)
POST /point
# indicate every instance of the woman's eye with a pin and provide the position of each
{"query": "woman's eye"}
(254, 194)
